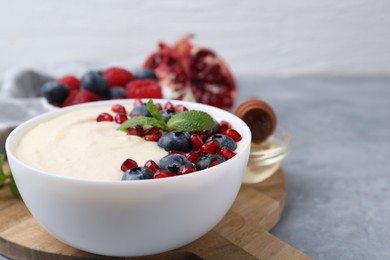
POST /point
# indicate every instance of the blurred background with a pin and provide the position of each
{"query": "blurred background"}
(255, 37)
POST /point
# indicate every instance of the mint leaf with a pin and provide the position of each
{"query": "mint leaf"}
(141, 121)
(153, 110)
(13, 187)
(189, 121)
(5, 176)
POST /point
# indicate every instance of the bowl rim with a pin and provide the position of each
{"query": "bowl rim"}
(192, 105)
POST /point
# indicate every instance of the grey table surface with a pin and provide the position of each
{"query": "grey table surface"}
(338, 170)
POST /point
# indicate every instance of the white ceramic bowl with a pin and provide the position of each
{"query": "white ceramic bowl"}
(130, 218)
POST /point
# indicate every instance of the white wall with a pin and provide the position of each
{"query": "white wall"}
(255, 37)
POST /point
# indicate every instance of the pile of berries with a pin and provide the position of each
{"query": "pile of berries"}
(111, 83)
(187, 152)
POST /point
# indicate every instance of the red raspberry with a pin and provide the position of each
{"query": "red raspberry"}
(143, 89)
(80, 96)
(70, 81)
(117, 76)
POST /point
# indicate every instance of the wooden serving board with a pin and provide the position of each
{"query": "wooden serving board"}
(242, 234)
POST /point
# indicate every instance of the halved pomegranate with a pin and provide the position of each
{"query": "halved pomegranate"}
(186, 65)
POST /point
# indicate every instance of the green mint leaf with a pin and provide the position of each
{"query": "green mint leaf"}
(2, 158)
(13, 187)
(141, 121)
(153, 110)
(3, 177)
(189, 121)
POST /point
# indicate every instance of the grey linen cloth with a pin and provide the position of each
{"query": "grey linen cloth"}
(20, 99)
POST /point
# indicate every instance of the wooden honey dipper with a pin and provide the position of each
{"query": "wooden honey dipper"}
(259, 116)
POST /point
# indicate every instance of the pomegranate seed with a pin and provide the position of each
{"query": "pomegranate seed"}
(128, 164)
(226, 153)
(120, 118)
(104, 117)
(159, 106)
(138, 102)
(117, 108)
(153, 134)
(185, 170)
(233, 134)
(180, 108)
(223, 126)
(194, 155)
(135, 130)
(169, 105)
(177, 152)
(196, 141)
(213, 164)
(163, 174)
(211, 146)
(151, 165)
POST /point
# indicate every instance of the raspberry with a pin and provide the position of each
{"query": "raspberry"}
(117, 76)
(143, 89)
(80, 96)
(70, 81)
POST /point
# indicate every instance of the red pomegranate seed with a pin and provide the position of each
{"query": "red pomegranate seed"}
(224, 125)
(169, 105)
(138, 102)
(213, 164)
(104, 117)
(194, 155)
(233, 134)
(226, 153)
(196, 141)
(180, 108)
(211, 146)
(128, 164)
(120, 118)
(163, 174)
(153, 134)
(135, 130)
(178, 152)
(151, 165)
(117, 108)
(185, 169)
(159, 106)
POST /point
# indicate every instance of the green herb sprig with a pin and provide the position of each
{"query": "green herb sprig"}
(7, 178)
(188, 121)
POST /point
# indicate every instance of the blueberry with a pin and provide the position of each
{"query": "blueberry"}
(55, 92)
(167, 114)
(140, 110)
(96, 83)
(216, 129)
(138, 173)
(176, 140)
(206, 159)
(117, 93)
(224, 140)
(145, 74)
(172, 162)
